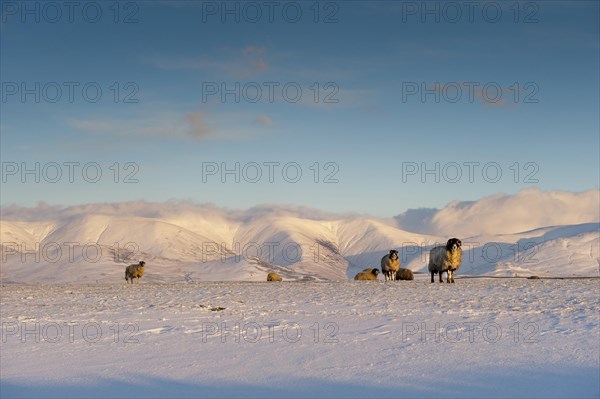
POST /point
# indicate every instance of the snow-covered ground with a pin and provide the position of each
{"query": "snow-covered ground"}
(476, 338)
(203, 323)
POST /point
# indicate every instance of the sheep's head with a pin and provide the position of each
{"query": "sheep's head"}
(393, 254)
(375, 271)
(142, 263)
(453, 244)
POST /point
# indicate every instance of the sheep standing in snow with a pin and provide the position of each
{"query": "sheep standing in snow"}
(445, 259)
(405, 274)
(390, 264)
(274, 277)
(367, 274)
(134, 271)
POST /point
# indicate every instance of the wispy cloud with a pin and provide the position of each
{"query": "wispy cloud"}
(245, 62)
(198, 124)
(165, 210)
(254, 50)
(159, 125)
(264, 120)
(195, 125)
(255, 56)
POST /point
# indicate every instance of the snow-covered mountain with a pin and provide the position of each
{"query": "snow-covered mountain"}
(186, 242)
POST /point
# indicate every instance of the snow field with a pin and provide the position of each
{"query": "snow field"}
(500, 337)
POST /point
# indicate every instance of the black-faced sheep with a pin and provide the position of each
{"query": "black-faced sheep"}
(134, 271)
(445, 259)
(367, 274)
(390, 264)
(405, 274)
(274, 277)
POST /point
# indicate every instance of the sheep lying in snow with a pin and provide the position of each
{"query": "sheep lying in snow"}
(274, 277)
(405, 274)
(445, 259)
(390, 264)
(134, 271)
(367, 274)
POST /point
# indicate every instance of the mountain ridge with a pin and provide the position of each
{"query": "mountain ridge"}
(95, 247)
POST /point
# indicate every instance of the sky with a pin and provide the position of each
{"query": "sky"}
(367, 107)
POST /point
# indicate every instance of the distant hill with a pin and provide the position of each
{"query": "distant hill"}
(94, 243)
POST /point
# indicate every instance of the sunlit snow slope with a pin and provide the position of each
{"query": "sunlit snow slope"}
(197, 243)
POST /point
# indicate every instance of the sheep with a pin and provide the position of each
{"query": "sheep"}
(445, 259)
(390, 264)
(274, 277)
(405, 274)
(367, 274)
(134, 271)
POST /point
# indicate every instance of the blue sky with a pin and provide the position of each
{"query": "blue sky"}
(368, 57)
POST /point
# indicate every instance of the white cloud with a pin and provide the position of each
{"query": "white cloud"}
(502, 213)
(45, 212)
(497, 214)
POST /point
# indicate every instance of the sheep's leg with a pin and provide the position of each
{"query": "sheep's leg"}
(440, 277)
(452, 276)
(448, 276)
(433, 277)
